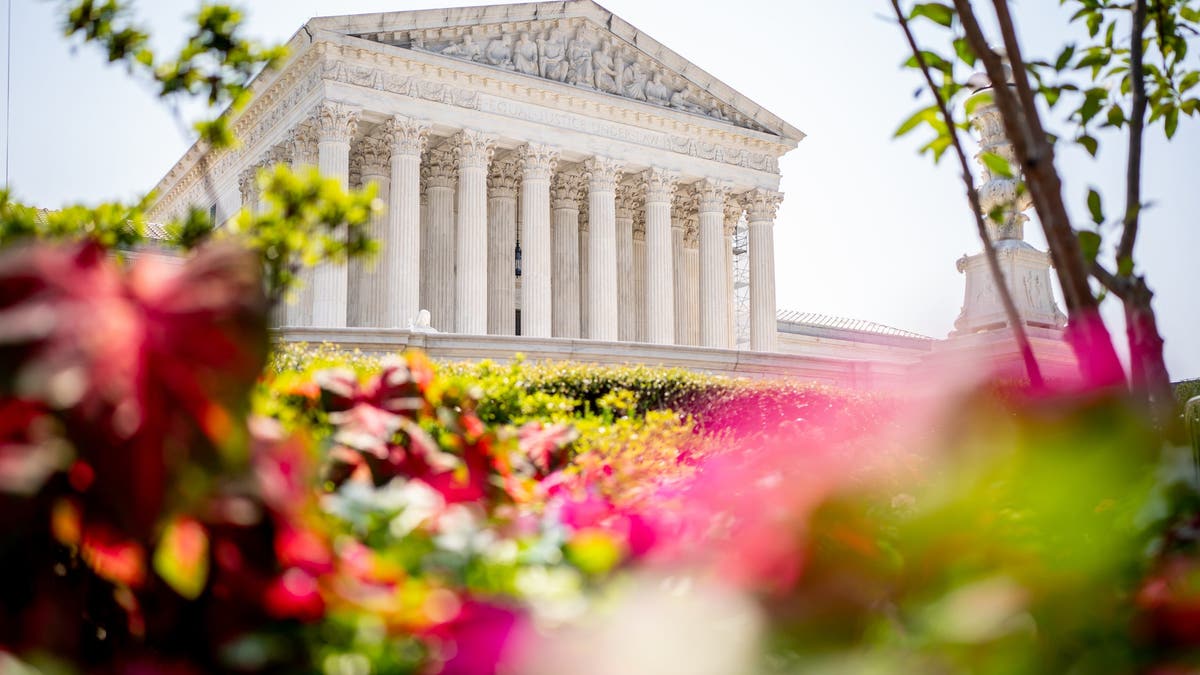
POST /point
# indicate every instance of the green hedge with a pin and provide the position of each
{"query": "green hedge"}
(517, 392)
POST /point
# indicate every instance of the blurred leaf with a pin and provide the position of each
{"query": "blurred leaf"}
(998, 165)
(934, 11)
(1094, 206)
(181, 558)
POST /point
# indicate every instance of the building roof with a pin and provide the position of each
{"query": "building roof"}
(406, 28)
(823, 325)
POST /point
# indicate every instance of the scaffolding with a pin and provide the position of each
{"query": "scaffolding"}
(741, 285)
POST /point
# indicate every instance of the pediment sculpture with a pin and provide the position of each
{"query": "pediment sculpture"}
(577, 54)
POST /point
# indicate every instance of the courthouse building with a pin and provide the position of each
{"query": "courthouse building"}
(555, 182)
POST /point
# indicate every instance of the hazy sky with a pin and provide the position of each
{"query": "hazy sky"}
(868, 229)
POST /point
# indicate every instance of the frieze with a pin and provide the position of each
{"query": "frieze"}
(413, 86)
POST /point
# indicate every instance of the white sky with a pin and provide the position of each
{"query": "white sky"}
(868, 229)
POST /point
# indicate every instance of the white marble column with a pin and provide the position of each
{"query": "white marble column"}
(303, 141)
(626, 318)
(660, 297)
(761, 205)
(585, 235)
(367, 297)
(639, 276)
(691, 260)
(567, 189)
(537, 164)
(714, 295)
(400, 256)
(474, 150)
(336, 124)
(680, 206)
(443, 174)
(426, 270)
(733, 214)
(502, 242)
(602, 299)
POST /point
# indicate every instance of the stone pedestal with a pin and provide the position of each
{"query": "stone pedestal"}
(1026, 272)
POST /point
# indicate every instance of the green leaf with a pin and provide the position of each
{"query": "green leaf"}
(923, 115)
(1116, 116)
(1094, 206)
(1171, 122)
(1089, 243)
(935, 12)
(1093, 23)
(1064, 58)
(963, 49)
(996, 164)
(1189, 80)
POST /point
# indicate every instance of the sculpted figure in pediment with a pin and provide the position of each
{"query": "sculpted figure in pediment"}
(657, 91)
(606, 68)
(682, 100)
(525, 55)
(467, 49)
(499, 52)
(553, 52)
(579, 54)
(635, 81)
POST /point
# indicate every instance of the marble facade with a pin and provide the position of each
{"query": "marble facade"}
(618, 168)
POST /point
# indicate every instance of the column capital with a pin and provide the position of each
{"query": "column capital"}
(303, 141)
(629, 201)
(406, 135)
(659, 184)
(683, 205)
(602, 173)
(505, 177)
(733, 213)
(761, 204)
(440, 168)
(566, 190)
(538, 161)
(374, 156)
(473, 149)
(336, 121)
(712, 195)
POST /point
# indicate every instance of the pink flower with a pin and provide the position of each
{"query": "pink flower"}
(477, 640)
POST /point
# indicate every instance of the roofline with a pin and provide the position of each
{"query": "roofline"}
(588, 9)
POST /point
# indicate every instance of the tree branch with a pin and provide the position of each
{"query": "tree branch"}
(1137, 125)
(1010, 309)
(1089, 338)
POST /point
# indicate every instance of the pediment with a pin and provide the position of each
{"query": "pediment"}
(576, 43)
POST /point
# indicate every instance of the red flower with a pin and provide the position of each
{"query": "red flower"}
(294, 594)
(138, 364)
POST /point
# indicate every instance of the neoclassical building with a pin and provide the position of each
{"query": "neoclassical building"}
(554, 182)
(547, 171)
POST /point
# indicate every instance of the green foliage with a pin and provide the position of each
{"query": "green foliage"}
(216, 62)
(307, 219)
(114, 225)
